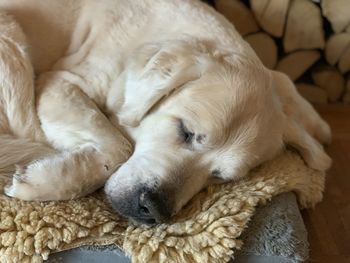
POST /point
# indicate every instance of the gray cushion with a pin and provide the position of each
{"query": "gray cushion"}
(277, 229)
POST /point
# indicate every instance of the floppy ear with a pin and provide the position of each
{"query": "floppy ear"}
(155, 70)
(304, 129)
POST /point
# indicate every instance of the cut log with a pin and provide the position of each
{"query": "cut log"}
(304, 27)
(337, 12)
(312, 93)
(239, 15)
(336, 46)
(271, 15)
(295, 64)
(330, 80)
(344, 61)
(265, 47)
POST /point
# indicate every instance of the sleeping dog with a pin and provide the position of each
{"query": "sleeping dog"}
(78, 77)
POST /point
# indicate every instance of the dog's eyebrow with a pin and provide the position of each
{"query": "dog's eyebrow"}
(200, 138)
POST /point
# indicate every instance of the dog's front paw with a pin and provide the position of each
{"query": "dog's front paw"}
(35, 182)
(20, 186)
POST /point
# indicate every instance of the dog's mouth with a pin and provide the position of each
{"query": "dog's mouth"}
(143, 221)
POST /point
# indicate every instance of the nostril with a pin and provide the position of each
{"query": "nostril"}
(144, 205)
(151, 207)
(144, 210)
(146, 215)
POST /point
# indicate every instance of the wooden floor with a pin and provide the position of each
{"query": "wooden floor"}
(328, 224)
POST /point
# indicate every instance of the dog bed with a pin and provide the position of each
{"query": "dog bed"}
(208, 229)
(275, 234)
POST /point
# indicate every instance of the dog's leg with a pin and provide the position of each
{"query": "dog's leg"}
(92, 148)
(304, 129)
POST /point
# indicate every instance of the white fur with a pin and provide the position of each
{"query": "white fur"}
(145, 64)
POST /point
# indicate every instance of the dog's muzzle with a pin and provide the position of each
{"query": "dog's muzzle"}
(143, 205)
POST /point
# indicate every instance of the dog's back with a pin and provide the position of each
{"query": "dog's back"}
(47, 25)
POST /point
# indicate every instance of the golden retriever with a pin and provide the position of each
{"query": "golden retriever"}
(77, 76)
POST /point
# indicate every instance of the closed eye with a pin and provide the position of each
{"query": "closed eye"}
(185, 133)
(215, 177)
(216, 173)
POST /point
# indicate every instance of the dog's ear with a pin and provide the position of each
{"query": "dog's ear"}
(303, 129)
(155, 70)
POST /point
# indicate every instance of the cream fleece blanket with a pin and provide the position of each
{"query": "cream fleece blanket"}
(206, 230)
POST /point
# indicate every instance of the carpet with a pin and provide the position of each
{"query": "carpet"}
(207, 229)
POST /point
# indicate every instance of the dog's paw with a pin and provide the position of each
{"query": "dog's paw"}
(11, 189)
(62, 177)
(39, 181)
(20, 186)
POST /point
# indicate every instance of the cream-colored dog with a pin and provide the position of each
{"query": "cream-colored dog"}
(189, 92)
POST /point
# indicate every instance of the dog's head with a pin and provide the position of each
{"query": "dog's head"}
(200, 117)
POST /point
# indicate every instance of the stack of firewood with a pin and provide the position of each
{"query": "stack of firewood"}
(309, 40)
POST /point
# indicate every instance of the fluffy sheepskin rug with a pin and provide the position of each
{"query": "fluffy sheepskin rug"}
(208, 229)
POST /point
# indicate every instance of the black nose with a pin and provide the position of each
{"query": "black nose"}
(152, 207)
